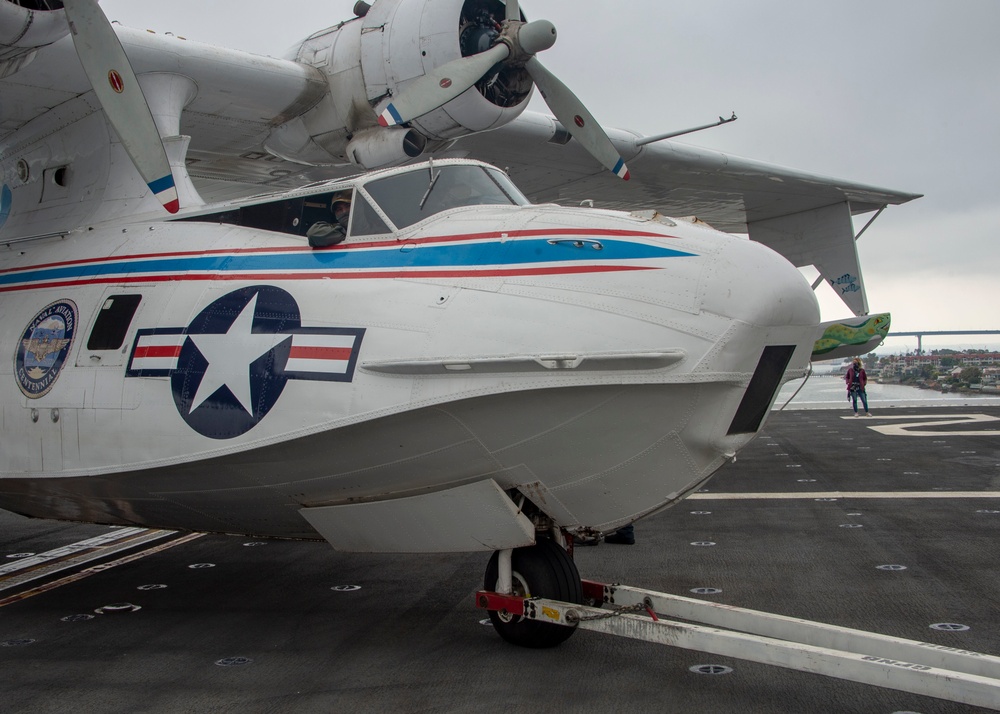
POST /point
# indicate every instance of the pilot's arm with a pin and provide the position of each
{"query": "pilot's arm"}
(323, 234)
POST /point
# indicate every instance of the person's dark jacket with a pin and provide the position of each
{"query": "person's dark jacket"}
(862, 376)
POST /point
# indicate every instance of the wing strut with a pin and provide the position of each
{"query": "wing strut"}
(670, 135)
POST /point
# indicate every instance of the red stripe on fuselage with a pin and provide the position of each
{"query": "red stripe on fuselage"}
(331, 353)
(555, 234)
(320, 275)
(157, 351)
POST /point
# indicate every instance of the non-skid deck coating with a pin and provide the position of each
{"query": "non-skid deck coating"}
(410, 640)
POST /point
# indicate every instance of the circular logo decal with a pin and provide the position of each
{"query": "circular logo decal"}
(44, 347)
(6, 199)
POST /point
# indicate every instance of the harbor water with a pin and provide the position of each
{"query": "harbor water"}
(830, 392)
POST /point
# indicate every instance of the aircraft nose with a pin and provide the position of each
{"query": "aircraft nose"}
(751, 283)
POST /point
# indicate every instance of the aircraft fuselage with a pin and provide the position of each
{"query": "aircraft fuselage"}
(597, 362)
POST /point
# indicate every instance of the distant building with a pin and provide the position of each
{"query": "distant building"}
(895, 367)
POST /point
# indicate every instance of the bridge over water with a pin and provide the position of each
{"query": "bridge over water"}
(939, 333)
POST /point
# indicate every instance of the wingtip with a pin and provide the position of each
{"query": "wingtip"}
(172, 206)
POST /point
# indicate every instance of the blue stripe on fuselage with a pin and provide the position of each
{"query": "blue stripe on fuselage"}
(450, 255)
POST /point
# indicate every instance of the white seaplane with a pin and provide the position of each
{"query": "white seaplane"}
(295, 298)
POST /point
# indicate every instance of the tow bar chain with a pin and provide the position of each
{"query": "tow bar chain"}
(638, 607)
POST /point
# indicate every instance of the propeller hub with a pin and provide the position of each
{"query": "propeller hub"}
(537, 36)
(526, 39)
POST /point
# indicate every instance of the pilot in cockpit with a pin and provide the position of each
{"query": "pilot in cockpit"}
(323, 234)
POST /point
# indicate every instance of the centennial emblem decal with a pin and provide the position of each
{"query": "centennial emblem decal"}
(228, 368)
(43, 348)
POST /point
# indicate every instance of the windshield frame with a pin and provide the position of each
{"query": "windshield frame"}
(411, 197)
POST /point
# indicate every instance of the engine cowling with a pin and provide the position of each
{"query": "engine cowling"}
(405, 39)
(370, 58)
(24, 28)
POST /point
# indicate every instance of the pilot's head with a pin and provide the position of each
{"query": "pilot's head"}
(340, 207)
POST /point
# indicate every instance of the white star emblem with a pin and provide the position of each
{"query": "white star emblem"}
(229, 358)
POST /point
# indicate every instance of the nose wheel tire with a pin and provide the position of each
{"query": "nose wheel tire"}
(541, 570)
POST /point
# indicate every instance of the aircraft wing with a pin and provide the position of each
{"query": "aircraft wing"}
(729, 192)
(240, 98)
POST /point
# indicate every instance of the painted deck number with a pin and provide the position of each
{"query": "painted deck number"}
(919, 423)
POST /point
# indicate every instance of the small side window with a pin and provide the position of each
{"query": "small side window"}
(113, 321)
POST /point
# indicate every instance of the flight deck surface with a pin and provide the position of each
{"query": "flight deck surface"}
(803, 524)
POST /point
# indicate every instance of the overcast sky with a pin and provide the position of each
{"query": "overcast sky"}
(903, 94)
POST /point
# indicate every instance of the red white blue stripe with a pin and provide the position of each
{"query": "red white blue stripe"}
(390, 116)
(166, 193)
(522, 253)
(156, 352)
(320, 354)
(315, 353)
(621, 170)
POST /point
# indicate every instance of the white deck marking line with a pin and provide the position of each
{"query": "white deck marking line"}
(17, 597)
(841, 494)
(932, 417)
(76, 554)
(61, 552)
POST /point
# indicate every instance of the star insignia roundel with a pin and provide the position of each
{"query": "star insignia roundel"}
(229, 366)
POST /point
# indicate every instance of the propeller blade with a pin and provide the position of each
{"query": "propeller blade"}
(579, 122)
(440, 86)
(117, 88)
(513, 11)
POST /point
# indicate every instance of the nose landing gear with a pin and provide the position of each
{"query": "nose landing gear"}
(541, 570)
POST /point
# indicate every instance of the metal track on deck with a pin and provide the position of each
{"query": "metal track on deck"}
(922, 668)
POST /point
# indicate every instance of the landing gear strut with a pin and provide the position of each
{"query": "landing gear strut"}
(541, 570)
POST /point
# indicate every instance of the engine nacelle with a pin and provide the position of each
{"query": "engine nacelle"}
(25, 27)
(405, 39)
(373, 148)
(371, 58)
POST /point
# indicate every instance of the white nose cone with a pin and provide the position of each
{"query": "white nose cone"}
(757, 286)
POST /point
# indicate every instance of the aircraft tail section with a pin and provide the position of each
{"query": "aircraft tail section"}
(848, 338)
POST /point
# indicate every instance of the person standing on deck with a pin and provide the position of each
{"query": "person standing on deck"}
(857, 380)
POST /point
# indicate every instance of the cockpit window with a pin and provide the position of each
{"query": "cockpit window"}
(366, 221)
(328, 218)
(413, 196)
(333, 220)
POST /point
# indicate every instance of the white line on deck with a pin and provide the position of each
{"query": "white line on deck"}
(807, 495)
(87, 572)
(76, 554)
